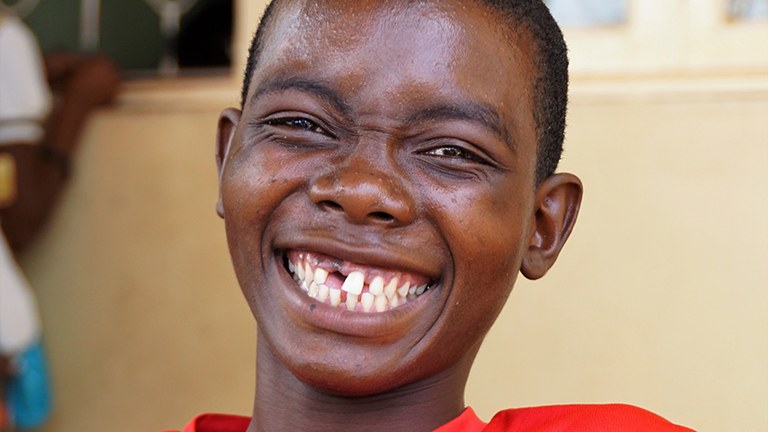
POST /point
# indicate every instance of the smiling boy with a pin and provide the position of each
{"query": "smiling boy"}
(390, 173)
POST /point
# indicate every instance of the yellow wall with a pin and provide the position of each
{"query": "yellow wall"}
(659, 299)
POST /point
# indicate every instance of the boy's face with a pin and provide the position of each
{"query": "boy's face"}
(395, 141)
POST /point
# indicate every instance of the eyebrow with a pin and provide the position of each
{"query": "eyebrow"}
(483, 114)
(327, 94)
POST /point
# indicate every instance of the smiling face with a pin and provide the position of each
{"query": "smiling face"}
(378, 188)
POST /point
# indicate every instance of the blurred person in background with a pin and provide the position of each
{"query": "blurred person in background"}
(44, 103)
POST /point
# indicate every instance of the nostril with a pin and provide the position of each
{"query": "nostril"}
(382, 216)
(330, 205)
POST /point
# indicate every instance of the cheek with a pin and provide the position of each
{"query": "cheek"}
(492, 258)
(238, 213)
(255, 182)
(488, 242)
(244, 211)
(249, 195)
(489, 227)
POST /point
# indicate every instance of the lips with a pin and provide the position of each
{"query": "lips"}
(355, 287)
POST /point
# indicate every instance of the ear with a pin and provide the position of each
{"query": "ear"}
(228, 121)
(557, 203)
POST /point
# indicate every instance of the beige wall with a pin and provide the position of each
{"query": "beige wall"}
(659, 299)
(143, 319)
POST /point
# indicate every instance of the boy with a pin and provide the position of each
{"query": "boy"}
(390, 173)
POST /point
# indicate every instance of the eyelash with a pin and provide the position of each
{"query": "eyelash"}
(457, 153)
(305, 124)
(292, 122)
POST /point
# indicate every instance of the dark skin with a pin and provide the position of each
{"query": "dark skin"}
(371, 135)
(79, 84)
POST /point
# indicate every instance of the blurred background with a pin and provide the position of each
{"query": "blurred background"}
(660, 299)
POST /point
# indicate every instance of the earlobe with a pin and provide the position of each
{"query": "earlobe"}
(557, 204)
(225, 135)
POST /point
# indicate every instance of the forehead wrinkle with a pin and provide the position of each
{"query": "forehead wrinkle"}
(305, 85)
(483, 114)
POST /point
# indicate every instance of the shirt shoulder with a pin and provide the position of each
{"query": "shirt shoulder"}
(217, 423)
(581, 418)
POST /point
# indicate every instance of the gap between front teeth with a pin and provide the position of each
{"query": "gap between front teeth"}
(379, 297)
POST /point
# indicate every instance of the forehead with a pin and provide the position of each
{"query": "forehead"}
(405, 52)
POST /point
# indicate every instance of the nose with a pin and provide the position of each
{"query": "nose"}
(364, 194)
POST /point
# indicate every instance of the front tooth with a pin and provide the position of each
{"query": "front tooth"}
(308, 273)
(381, 303)
(354, 283)
(377, 286)
(395, 301)
(322, 292)
(335, 295)
(367, 301)
(321, 275)
(313, 290)
(403, 290)
(352, 300)
(300, 271)
(420, 290)
(391, 288)
(304, 285)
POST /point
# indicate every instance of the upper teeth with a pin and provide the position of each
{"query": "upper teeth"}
(377, 286)
(320, 275)
(380, 296)
(354, 283)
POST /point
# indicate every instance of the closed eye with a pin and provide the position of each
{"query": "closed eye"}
(299, 123)
(455, 152)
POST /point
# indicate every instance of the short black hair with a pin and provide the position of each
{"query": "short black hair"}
(550, 99)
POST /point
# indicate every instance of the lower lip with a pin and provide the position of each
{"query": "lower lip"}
(380, 325)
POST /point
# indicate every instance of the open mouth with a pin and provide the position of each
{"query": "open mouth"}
(356, 287)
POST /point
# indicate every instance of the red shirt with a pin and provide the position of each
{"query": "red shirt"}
(559, 418)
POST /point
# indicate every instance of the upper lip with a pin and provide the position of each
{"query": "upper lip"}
(396, 258)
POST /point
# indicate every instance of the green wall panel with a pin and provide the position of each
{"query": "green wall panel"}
(130, 30)
(56, 24)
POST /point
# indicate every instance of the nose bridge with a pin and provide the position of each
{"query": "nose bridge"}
(366, 186)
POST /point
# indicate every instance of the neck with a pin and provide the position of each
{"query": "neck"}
(283, 403)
